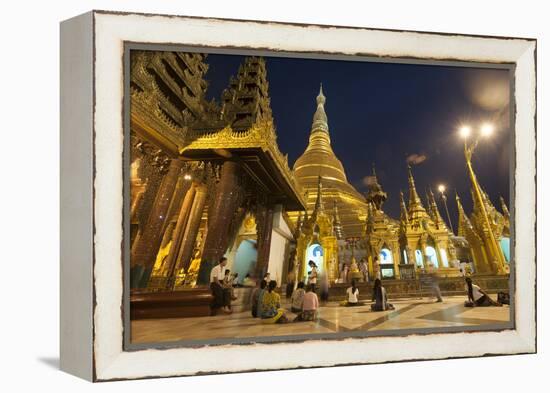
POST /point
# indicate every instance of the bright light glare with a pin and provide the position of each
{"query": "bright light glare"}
(487, 129)
(187, 177)
(441, 188)
(465, 131)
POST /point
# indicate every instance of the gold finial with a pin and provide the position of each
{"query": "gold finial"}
(414, 200)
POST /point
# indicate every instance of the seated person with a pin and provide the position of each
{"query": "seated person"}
(256, 298)
(248, 281)
(271, 311)
(297, 298)
(379, 297)
(235, 281)
(228, 283)
(221, 294)
(477, 297)
(352, 296)
(310, 304)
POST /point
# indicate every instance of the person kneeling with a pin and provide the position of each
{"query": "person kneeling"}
(297, 299)
(379, 298)
(271, 311)
(310, 304)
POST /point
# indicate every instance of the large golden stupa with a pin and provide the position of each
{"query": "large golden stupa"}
(319, 160)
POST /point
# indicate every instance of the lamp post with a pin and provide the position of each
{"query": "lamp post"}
(486, 131)
(441, 188)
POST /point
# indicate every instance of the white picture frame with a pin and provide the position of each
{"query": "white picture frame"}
(92, 120)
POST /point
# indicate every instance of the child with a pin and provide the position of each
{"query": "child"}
(228, 283)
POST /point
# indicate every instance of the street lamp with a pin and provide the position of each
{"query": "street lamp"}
(441, 188)
(486, 131)
(465, 131)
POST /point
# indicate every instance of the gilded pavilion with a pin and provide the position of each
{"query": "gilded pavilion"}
(207, 180)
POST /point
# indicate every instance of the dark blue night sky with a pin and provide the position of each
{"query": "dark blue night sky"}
(383, 113)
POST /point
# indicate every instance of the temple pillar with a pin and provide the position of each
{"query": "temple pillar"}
(181, 190)
(395, 250)
(143, 210)
(177, 235)
(145, 250)
(159, 268)
(192, 229)
(220, 214)
(264, 225)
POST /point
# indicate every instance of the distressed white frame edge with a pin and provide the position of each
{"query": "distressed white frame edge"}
(111, 30)
(76, 193)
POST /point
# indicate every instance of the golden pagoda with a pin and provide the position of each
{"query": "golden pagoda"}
(424, 237)
(317, 240)
(319, 160)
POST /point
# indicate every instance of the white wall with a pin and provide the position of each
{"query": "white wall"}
(277, 257)
(280, 237)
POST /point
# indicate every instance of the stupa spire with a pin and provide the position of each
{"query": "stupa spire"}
(415, 204)
(376, 194)
(505, 210)
(319, 137)
(336, 224)
(404, 214)
(463, 220)
(434, 209)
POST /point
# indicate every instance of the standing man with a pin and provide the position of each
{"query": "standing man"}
(222, 296)
(435, 287)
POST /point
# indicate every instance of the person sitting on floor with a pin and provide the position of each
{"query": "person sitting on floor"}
(235, 282)
(255, 298)
(310, 304)
(297, 299)
(248, 281)
(271, 311)
(352, 296)
(379, 297)
(477, 297)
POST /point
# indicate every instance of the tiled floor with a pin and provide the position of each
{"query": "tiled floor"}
(408, 314)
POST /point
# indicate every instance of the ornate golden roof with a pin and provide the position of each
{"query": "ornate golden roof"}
(319, 160)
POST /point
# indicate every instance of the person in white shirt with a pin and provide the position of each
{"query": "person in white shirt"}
(478, 297)
(297, 298)
(222, 296)
(352, 296)
(312, 276)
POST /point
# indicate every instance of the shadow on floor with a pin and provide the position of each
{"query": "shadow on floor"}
(52, 362)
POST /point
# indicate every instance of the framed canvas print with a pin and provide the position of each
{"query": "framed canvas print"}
(245, 195)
